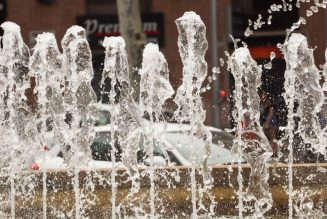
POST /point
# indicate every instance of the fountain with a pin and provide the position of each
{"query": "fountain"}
(256, 150)
(48, 108)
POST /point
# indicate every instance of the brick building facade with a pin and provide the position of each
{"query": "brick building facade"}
(36, 16)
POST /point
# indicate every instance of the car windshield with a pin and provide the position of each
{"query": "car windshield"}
(103, 118)
(183, 144)
(101, 147)
(220, 153)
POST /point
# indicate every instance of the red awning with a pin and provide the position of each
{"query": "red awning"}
(263, 52)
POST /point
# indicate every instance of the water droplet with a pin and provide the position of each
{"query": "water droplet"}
(272, 55)
(279, 45)
(222, 62)
(215, 70)
(268, 65)
(309, 13)
(248, 32)
(284, 5)
(315, 9)
(274, 7)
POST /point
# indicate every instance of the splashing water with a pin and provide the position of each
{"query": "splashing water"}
(192, 47)
(155, 90)
(251, 142)
(14, 66)
(301, 86)
(47, 101)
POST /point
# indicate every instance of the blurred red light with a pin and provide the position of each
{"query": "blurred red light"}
(222, 93)
(35, 166)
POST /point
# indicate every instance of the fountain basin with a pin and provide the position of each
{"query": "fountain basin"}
(173, 197)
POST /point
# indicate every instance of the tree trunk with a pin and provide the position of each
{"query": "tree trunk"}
(131, 30)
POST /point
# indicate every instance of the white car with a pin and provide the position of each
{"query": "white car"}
(176, 144)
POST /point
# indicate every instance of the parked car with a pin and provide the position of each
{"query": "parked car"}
(177, 142)
(182, 146)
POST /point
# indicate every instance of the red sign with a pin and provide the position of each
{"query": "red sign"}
(263, 52)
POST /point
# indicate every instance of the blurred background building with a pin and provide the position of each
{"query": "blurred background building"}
(100, 19)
